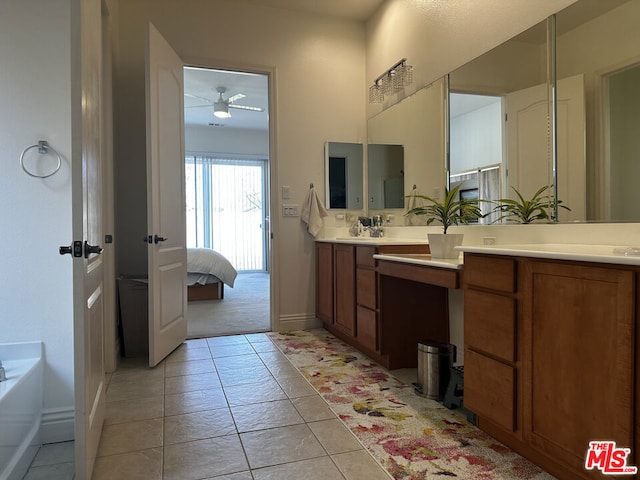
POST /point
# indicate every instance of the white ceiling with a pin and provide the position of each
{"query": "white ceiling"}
(200, 88)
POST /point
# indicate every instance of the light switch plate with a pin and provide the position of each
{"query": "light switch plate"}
(290, 211)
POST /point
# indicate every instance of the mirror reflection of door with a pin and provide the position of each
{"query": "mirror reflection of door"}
(337, 182)
(343, 173)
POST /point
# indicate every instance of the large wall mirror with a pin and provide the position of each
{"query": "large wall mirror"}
(500, 111)
(344, 175)
(414, 127)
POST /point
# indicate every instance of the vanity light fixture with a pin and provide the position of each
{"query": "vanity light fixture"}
(397, 77)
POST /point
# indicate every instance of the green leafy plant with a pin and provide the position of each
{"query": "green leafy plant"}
(538, 207)
(450, 211)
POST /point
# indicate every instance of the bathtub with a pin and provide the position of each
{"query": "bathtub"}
(20, 407)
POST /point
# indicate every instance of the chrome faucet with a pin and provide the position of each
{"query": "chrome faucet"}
(3, 376)
(376, 229)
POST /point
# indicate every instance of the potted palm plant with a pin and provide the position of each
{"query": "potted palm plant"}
(450, 211)
(521, 210)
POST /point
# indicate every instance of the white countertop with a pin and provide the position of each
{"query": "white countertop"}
(624, 255)
(374, 240)
(421, 259)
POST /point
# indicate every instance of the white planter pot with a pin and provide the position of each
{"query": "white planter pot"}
(442, 245)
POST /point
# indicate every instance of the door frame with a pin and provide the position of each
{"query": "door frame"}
(600, 181)
(273, 250)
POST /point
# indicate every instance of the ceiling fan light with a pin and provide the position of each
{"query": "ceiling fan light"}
(221, 109)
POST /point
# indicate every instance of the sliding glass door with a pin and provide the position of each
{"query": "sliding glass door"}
(226, 208)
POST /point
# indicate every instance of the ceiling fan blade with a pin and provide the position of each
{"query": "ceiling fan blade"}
(196, 97)
(246, 107)
(236, 97)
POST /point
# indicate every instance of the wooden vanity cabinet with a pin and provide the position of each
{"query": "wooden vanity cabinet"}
(324, 282)
(348, 292)
(550, 356)
(344, 288)
(491, 346)
(367, 298)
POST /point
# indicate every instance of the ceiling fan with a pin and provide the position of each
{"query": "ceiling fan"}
(221, 106)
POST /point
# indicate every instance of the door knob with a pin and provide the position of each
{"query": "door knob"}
(74, 249)
(89, 249)
(158, 239)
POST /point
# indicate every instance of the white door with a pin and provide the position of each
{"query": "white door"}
(88, 268)
(166, 210)
(529, 149)
(529, 164)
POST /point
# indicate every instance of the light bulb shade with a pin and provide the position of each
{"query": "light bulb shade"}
(375, 94)
(221, 109)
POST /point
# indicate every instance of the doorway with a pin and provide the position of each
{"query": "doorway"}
(622, 146)
(227, 198)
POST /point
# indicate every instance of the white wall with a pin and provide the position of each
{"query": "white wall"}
(225, 140)
(319, 65)
(35, 214)
(476, 138)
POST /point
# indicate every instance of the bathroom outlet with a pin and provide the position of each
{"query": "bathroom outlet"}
(290, 211)
(489, 240)
(286, 192)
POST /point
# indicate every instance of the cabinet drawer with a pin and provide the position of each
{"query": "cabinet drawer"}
(489, 389)
(366, 288)
(364, 256)
(490, 323)
(367, 328)
(495, 273)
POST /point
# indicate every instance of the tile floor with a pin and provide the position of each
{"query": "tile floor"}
(229, 408)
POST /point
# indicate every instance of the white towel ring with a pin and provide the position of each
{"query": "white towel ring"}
(43, 148)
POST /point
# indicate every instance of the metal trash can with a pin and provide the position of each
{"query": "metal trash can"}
(435, 360)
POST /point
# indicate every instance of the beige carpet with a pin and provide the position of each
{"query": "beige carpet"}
(244, 309)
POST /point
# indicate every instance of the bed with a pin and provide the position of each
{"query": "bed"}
(207, 273)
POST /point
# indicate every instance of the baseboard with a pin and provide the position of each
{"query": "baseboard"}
(57, 425)
(302, 321)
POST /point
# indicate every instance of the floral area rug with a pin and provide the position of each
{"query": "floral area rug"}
(410, 436)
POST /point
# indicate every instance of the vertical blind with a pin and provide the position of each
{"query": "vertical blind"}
(226, 208)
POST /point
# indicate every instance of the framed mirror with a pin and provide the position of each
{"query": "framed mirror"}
(344, 175)
(415, 125)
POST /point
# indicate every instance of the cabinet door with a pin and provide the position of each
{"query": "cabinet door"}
(366, 285)
(579, 333)
(345, 287)
(367, 328)
(324, 282)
